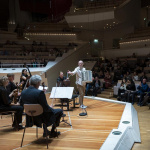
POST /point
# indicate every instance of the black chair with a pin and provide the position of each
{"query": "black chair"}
(12, 113)
(33, 110)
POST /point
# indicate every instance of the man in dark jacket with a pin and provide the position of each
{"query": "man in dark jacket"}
(50, 116)
(11, 85)
(142, 89)
(130, 88)
(60, 79)
(96, 86)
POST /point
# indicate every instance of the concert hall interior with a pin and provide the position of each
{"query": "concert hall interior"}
(85, 64)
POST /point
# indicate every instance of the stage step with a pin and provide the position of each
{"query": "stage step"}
(105, 96)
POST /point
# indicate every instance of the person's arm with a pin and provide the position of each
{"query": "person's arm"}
(144, 88)
(73, 72)
(43, 102)
(58, 79)
(5, 97)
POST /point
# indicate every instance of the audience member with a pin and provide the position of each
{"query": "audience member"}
(142, 88)
(96, 86)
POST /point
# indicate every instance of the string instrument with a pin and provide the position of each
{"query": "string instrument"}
(17, 91)
(15, 97)
(66, 82)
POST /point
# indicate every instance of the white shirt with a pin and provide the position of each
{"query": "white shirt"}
(135, 78)
(78, 71)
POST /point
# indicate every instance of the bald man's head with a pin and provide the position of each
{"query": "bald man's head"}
(80, 63)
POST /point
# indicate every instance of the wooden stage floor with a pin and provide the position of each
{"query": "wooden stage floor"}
(87, 133)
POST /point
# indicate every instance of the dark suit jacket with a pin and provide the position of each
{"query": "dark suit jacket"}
(35, 96)
(99, 83)
(4, 97)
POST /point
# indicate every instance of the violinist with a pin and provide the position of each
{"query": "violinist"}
(5, 102)
(11, 85)
(23, 78)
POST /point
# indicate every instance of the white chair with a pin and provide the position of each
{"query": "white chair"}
(33, 110)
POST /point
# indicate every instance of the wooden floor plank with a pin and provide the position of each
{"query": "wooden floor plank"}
(87, 133)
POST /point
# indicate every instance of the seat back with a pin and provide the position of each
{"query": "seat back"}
(33, 109)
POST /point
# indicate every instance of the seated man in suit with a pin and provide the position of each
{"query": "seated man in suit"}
(50, 116)
(60, 79)
(142, 89)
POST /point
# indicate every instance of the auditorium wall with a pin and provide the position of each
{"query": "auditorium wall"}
(69, 63)
(114, 53)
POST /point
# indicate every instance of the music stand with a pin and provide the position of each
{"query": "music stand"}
(62, 92)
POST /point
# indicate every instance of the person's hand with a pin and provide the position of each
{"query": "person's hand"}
(51, 106)
(69, 72)
(18, 104)
(15, 90)
(19, 94)
(140, 84)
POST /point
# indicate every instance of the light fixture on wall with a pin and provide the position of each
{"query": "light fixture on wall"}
(95, 40)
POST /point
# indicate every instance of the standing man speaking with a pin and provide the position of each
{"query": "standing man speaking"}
(80, 84)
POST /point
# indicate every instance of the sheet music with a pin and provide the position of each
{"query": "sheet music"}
(62, 92)
(41, 88)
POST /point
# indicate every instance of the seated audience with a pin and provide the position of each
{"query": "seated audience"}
(130, 87)
(143, 77)
(101, 75)
(96, 86)
(94, 74)
(50, 116)
(107, 80)
(88, 86)
(117, 74)
(142, 88)
(135, 76)
(128, 75)
(122, 89)
(138, 70)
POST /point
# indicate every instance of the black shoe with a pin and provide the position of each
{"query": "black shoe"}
(118, 98)
(54, 134)
(48, 133)
(19, 127)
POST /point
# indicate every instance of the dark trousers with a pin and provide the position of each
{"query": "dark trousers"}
(18, 114)
(58, 114)
(120, 91)
(126, 96)
(95, 90)
(88, 87)
(141, 97)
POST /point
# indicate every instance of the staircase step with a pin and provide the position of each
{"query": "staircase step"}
(110, 89)
(105, 95)
(107, 92)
